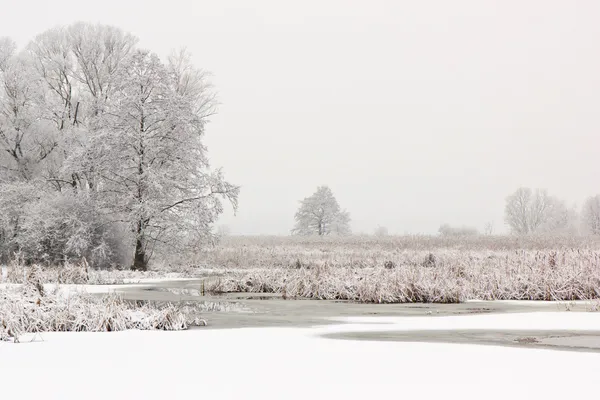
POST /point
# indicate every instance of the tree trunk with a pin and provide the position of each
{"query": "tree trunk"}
(140, 261)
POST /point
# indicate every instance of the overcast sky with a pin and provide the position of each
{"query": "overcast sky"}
(415, 113)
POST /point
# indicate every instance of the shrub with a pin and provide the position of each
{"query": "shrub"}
(57, 226)
(31, 309)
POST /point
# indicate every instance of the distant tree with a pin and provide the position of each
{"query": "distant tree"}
(590, 215)
(320, 214)
(223, 230)
(535, 212)
(488, 228)
(566, 222)
(381, 231)
(447, 230)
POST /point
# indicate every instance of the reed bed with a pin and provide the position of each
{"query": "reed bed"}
(28, 308)
(81, 274)
(442, 276)
(380, 270)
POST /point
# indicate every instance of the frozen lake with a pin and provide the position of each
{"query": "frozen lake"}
(270, 310)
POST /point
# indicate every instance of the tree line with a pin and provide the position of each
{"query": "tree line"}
(526, 212)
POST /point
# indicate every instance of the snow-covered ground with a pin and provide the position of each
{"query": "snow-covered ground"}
(68, 289)
(295, 363)
(158, 280)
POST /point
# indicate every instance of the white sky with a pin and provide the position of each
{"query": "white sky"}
(415, 113)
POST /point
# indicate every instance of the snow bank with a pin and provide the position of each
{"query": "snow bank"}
(159, 280)
(286, 363)
(69, 289)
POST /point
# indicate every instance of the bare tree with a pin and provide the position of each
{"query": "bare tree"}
(563, 220)
(53, 60)
(590, 215)
(7, 50)
(100, 53)
(488, 228)
(108, 134)
(77, 67)
(320, 214)
(536, 212)
(154, 164)
(26, 140)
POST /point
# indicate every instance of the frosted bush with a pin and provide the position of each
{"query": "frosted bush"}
(51, 227)
(29, 309)
(69, 226)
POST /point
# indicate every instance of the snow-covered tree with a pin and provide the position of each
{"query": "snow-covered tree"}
(100, 53)
(590, 215)
(535, 212)
(563, 220)
(26, 140)
(93, 127)
(153, 162)
(77, 66)
(7, 50)
(488, 228)
(320, 214)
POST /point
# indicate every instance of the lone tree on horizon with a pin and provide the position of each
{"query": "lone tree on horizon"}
(320, 214)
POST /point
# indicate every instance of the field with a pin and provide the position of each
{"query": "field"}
(408, 269)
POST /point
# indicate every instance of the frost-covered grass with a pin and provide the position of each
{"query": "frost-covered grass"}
(80, 273)
(382, 270)
(30, 308)
(17, 272)
(368, 251)
(412, 269)
(533, 278)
